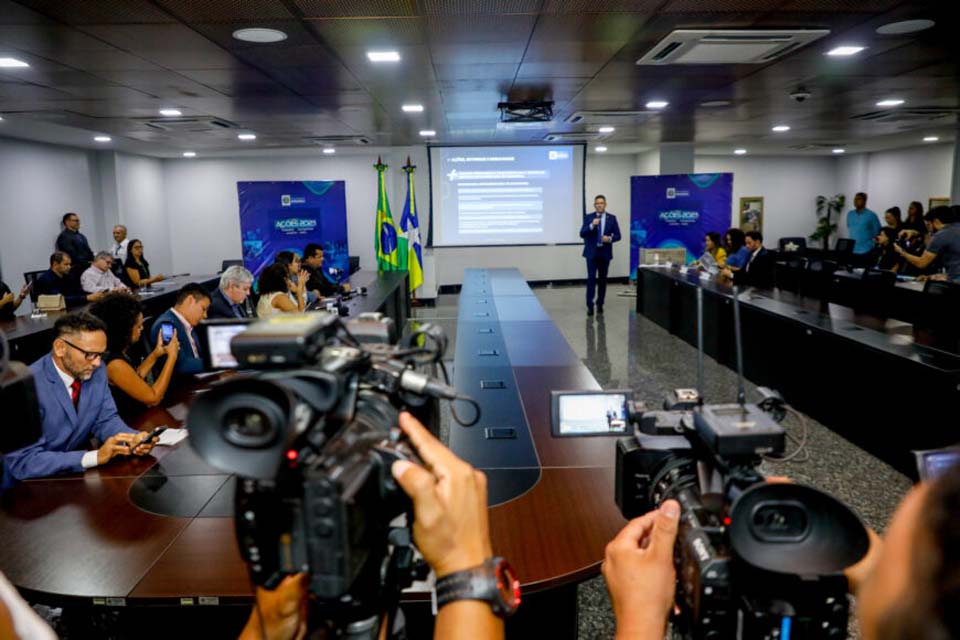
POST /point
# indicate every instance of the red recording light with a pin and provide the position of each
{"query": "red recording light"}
(291, 455)
(727, 521)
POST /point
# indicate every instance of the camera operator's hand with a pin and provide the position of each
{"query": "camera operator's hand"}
(641, 579)
(449, 500)
(280, 614)
(859, 573)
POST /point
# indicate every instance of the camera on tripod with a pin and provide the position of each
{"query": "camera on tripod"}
(312, 438)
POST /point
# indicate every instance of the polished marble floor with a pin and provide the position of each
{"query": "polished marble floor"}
(623, 350)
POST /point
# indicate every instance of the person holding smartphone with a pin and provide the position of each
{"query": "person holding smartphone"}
(10, 303)
(131, 383)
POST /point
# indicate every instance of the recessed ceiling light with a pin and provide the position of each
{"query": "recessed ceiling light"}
(657, 104)
(101, 138)
(905, 26)
(839, 151)
(599, 149)
(931, 139)
(780, 128)
(713, 104)
(189, 154)
(848, 50)
(428, 133)
(1, 118)
(891, 102)
(12, 63)
(258, 35)
(412, 108)
(383, 56)
(329, 150)
(740, 152)
(171, 112)
(247, 136)
(606, 129)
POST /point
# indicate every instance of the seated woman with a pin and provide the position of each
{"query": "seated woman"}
(273, 286)
(737, 254)
(137, 268)
(714, 256)
(129, 380)
(892, 218)
(9, 303)
(883, 255)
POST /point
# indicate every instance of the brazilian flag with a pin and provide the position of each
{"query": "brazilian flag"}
(386, 241)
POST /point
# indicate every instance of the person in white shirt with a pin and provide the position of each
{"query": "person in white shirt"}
(119, 250)
(99, 277)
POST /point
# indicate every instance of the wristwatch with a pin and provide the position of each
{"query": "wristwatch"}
(494, 582)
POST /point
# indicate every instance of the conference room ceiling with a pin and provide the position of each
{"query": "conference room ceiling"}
(107, 66)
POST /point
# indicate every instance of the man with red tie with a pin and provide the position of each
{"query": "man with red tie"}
(75, 406)
(599, 231)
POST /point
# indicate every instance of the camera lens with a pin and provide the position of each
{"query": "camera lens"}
(780, 521)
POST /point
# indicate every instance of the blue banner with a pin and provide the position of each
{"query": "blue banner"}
(674, 211)
(286, 216)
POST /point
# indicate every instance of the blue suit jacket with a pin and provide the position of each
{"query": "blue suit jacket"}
(66, 431)
(590, 236)
(187, 363)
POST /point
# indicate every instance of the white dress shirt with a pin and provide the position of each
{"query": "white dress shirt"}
(94, 280)
(89, 459)
(119, 250)
(189, 329)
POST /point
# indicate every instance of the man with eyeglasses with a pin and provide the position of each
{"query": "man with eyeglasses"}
(76, 406)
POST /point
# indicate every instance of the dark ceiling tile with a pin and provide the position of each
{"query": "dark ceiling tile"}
(177, 60)
(92, 12)
(103, 92)
(43, 38)
(454, 72)
(19, 93)
(193, 11)
(14, 13)
(559, 69)
(169, 37)
(290, 57)
(494, 53)
(163, 84)
(606, 27)
(472, 7)
(315, 81)
(601, 6)
(107, 60)
(370, 32)
(353, 9)
(236, 82)
(480, 29)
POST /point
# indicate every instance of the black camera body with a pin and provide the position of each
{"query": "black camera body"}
(312, 441)
(753, 559)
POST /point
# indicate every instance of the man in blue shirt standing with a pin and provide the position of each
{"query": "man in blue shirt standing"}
(863, 225)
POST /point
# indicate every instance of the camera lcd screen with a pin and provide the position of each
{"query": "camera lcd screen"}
(590, 413)
(932, 464)
(216, 343)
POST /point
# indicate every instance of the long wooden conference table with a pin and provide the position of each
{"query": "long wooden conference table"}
(159, 530)
(873, 380)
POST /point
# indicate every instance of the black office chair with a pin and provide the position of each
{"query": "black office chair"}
(30, 277)
(818, 278)
(874, 293)
(354, 264)
(792, 246)
(941, 299)
(226, 264)
(789, 273)
(843, 251)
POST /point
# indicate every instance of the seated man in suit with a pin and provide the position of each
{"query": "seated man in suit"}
(59, 281)
(75, 405)
(318, 283)
(758, 271)
(188, 311)
(229, 300)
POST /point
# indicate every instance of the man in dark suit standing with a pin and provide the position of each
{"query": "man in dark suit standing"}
(187, 312)
(74, 244)
(75, 406)
(599, 231)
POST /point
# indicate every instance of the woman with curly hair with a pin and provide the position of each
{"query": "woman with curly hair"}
(129, 381)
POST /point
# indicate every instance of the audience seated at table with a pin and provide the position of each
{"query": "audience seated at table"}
(74, 244)
(60, 280)
(137, 268)
(274, 287)
(230, 298)
(9, 303)
(99, 277)
(758, 269)
(714, 256)
(188, 311)
(75, 406)
(318, 283)
(883, 255)
(296, 273)
(735, 247)
(944, 246)
(129, 375)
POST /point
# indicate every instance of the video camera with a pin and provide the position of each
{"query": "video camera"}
(754, 559)
(312, 438)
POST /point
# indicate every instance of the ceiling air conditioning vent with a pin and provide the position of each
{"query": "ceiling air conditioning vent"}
(328, 140)
(571, 136)
(608, 117)
(753, 46)
(192, 124)
(909, 114)
(819, 146)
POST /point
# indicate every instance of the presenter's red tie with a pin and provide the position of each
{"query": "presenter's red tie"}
(75, 392)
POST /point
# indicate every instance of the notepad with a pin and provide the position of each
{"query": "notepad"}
(171, 437)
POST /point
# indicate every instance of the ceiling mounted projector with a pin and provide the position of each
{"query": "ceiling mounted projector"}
(528, 111)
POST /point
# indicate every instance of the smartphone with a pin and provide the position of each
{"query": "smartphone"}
(166, 332)
(154, 434)
(934, 463)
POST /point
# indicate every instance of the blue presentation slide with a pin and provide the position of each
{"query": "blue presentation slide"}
(507, 195)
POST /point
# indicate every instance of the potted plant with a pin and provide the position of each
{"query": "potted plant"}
(827, 210)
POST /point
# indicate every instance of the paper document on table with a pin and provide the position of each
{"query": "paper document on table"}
(171, 437)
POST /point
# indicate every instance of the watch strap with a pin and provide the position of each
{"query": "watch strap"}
(476, 583)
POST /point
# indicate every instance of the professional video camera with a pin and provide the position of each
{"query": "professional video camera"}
(754, 559)
(312, 443)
